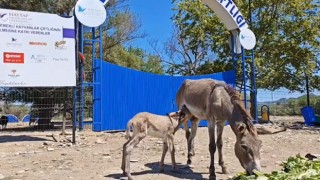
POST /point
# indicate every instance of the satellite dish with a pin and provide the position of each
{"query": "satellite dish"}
(90, 13)
(247, 39)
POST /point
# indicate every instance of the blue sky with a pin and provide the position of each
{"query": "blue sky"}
(155, 19)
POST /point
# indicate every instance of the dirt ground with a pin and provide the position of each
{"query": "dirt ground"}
(34, 156)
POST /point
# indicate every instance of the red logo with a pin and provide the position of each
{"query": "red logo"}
(10, 57)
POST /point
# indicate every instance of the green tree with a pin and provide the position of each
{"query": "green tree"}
(190, 47)
(153, 64)
(287, 39)
(62, 7)
(149, 62)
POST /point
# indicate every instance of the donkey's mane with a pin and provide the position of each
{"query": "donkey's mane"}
(235, 99)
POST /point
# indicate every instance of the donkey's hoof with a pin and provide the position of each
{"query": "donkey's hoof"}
(225, 170)
(129, 177)
(189, 161)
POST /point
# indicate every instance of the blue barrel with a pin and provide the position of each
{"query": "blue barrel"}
(308, 115)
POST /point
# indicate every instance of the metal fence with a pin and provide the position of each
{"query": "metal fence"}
(284, 103)
(39, 108)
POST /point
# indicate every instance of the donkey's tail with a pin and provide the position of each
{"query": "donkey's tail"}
(128, 131)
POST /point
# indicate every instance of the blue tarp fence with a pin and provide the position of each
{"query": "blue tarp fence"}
(125, 92)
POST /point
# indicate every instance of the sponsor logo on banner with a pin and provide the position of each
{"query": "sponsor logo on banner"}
(90, 13)
(38, 58)
(3, 16)
(61, 45)
(247, 39)
(14, 43)
(60, 59)
(12, 57)
(15, 17)
(13, 73)
(19, 18)
(33, 43)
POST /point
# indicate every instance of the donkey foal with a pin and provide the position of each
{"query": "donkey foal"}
(144, 124)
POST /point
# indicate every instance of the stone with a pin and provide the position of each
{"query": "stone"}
(107, 157)
(2, 176)
(134, 160)
(50, 149)
(99, 141)
(273, 156)
(106, 154)
(20, 172)
(45, 143)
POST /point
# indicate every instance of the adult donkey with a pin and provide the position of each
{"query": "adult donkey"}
(217, 102)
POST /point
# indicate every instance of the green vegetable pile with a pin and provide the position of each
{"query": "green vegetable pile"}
(294, 168)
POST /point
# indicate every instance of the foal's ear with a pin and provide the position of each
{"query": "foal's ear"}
(241, 128)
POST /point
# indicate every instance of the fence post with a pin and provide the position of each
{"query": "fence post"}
(64, 112)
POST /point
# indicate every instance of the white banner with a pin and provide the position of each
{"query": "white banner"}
(36, 49)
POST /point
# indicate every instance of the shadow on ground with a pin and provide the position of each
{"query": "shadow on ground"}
(20, 138)
(181, 172)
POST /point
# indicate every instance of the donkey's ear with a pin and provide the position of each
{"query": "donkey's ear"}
(241, 128)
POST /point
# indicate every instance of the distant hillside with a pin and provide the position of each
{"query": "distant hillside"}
(285, 100)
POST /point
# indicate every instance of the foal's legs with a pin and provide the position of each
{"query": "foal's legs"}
(127, 148)
(212, 147)
(172, 150)
(194, 127)
(164, 152)
(168, 143)
(220, 127)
